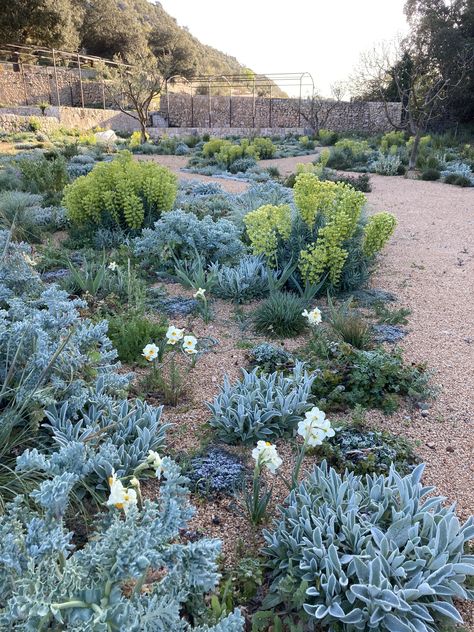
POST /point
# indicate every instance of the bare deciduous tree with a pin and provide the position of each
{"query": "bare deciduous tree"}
(316, 110)
(400, 70)
(133, 87)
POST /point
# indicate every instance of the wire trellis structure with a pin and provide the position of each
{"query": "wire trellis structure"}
(35, 60)
(57, 64)
(246, 84)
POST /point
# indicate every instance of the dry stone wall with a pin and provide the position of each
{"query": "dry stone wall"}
(31, 85)
(180, 110)
(13, 119)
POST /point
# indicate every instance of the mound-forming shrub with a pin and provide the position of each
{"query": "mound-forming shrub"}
(48, 584)
(327, 235)
(124, 193)
(180, 235)
(261, 406)
(374, 553)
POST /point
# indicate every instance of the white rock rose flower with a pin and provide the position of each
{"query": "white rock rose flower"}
(315, 428)
(174, 334)
(150, 352)
(314, 316)
(155, 461)
(189, 344)
(266, 454)
(112, 266)
(200, 293)
(120, 497)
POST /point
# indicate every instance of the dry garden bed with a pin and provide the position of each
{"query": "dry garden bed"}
(221, 341)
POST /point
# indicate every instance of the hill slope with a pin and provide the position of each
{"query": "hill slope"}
(111, 27)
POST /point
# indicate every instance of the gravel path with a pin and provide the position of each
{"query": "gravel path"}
(177, 163)
(429, 265)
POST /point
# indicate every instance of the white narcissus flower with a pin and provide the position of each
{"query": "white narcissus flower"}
(150, 352)
(112, 266)
(174, 334)
(315, 428)
(120, 497)
(314, 316)
(200, 293)
(29, 260)
(155, 461)
(266, 454)
(189, 344)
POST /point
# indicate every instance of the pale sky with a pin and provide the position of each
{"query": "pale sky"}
(323, 37)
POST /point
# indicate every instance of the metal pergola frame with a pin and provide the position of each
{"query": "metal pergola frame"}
(252, 84)
(34, 57)
(247, 84)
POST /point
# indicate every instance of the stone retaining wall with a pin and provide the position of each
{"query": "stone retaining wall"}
(31, 85)
(242, 111)
(71, 118)
(35, 84)
(12, 123)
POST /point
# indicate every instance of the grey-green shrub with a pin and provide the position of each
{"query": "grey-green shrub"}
(386, 164)
(247, 281)
(48, 584)
(370, 553)
(261, 406)
(179, 235)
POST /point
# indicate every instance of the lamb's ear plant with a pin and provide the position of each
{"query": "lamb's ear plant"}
(371, 553)
(261, 406)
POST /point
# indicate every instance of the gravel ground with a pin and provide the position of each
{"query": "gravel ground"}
(429, 266)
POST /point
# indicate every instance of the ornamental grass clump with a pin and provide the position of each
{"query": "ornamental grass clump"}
(124, 193)
(369, 553)
(260, 406)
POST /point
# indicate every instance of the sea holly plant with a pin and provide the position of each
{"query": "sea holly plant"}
(135, 573)
(374, 553)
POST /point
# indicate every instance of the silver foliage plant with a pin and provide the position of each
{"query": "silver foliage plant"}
(48, 354)
(261, 406)
(104, 435)
(246, 281)
(372, 553)
(179, 235)
(47, 584)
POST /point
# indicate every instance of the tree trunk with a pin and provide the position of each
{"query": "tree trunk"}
(414, 150)
(143, 134)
